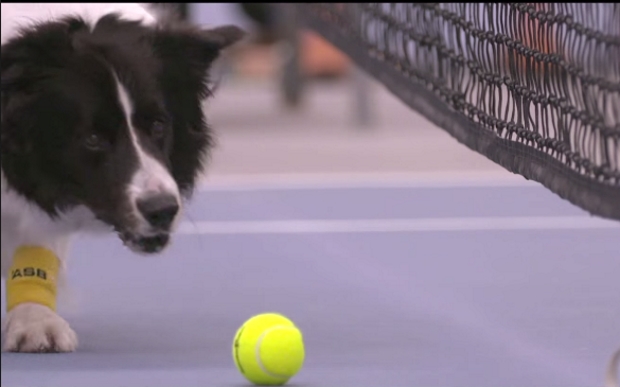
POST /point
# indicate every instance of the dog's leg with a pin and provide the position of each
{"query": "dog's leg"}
(32, 327)
(32, 324)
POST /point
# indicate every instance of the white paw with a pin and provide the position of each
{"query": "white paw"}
(32, 327)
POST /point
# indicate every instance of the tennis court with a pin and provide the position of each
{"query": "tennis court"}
(398, 282)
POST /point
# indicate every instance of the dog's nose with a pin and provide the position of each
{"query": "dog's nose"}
(159, 210)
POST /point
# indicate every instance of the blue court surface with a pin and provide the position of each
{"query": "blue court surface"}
(392, 285)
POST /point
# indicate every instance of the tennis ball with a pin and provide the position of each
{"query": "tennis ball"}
(268, 349)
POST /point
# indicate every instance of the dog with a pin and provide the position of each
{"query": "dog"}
(102, 130)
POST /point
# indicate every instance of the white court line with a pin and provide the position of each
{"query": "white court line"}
(362, 180)
(396, 225)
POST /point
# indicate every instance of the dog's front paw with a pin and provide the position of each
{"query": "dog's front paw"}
(32, 327)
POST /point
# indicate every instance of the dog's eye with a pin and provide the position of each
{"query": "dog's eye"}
(158, 129)
(94, 143)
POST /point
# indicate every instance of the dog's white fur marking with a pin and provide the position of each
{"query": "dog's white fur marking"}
(151, 177)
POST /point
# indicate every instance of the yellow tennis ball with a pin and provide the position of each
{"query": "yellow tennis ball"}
(268, 349)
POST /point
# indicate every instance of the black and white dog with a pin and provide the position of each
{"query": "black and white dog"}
(102, 129)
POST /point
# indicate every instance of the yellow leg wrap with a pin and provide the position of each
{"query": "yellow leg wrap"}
(32, 277)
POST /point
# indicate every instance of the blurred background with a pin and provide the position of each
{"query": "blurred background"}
(289, 102)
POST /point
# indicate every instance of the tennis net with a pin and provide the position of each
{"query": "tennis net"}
(533, 87)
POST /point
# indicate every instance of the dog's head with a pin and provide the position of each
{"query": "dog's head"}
(109, 117)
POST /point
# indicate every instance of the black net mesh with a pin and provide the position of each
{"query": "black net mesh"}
(534, 87)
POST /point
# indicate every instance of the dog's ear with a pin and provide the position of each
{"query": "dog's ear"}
(193, 50)
(209, 40)
(222, 37)
(25, 57)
